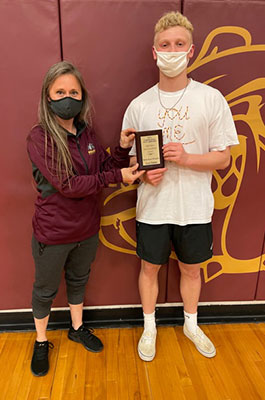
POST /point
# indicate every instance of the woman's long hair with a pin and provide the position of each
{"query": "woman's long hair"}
(61, 157)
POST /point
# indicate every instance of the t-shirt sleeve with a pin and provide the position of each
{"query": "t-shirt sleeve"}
(130, 120)
(222, 127)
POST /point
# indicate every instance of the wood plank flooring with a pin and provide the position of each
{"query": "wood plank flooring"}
(178, 371)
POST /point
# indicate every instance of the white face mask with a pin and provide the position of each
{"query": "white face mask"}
(172, 63)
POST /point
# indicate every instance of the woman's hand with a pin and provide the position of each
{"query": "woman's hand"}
(129, 175)
(127, 138)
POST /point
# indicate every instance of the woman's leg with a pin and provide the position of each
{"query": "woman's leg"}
(49, 263)
(41, 326)
(77, 269)
(76, 311)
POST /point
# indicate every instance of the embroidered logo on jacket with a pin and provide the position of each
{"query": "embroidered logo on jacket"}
(91, 148)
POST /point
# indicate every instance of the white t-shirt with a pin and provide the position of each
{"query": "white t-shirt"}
(202, 122)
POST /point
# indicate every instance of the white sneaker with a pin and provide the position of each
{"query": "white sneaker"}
(201, 341)
(147, 346)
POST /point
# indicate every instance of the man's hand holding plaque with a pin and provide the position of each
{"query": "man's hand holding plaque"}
(149, 149)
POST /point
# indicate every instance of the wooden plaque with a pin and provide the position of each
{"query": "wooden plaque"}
(149, 149)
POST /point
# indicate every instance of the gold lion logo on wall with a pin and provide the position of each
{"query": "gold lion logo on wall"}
(249, 94)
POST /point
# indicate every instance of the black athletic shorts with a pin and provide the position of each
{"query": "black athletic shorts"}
(192, 243)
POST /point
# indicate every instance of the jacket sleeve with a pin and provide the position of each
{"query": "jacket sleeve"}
(119, 159)
(80, 185)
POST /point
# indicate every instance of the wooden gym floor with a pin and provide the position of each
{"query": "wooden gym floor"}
(178, 371)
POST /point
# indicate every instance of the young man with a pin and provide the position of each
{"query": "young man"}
(175, 203)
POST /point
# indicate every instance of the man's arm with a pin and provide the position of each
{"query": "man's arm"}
(198, 162)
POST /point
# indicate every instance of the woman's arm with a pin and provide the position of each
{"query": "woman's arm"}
(79, 185)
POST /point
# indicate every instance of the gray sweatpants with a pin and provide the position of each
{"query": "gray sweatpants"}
(50, 261)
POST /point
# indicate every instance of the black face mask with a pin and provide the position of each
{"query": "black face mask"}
(66, 108)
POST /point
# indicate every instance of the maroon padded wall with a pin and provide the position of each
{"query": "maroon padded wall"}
(241, 65)
(29, 44)
(261, 283)
(111, 42)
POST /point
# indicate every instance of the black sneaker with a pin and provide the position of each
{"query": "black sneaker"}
(40, 363)
(86, 338)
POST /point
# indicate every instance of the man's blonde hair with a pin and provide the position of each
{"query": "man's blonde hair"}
(172, 19)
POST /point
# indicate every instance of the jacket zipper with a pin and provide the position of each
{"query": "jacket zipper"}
(83, 158)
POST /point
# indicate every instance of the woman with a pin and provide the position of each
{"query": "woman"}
(70, 168)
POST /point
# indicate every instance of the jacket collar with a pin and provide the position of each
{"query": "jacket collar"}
(80, 127)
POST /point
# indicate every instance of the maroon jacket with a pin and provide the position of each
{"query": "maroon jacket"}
(66, 214)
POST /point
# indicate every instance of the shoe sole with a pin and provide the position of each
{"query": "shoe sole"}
(87, 348)
(39, 375)
(144, 357)
(208, 355)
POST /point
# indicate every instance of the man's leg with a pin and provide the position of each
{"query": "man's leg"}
(153, 247)
(193, 245)
(148, 288)
(190, 288)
